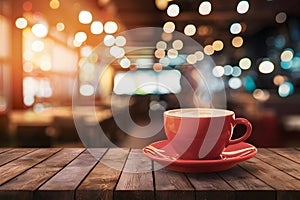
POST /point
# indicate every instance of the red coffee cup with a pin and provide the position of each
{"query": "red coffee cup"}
(202, 133)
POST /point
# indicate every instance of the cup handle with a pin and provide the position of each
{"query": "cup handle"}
(248, 131)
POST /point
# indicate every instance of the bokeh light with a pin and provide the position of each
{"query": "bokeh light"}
(173, 10)
(228, 70)
(218, 71)
(278, 80)
(87, 90)
(161, 45)
(208, 50)
(40, 30)
(234, 83)
(27, 6)
(166, 36)
(109, 40)
(80, 36)
(157, 67)
(159, 53)
(261, 95)
(110, 27)
(218, 45)
(125, 63)
(164, 61)
(199, 55)
(117, 52)
(169, 27)
(281, 17)
(245, 63)
(237, 41)
(249, 83)
(191, 59)
(242, 7)
(190, 30)
(285, 89)
(205, 8)
(235, 28)
(177, 44)
(54, 4)
(96, 27)
(85, 17)
(266, 67)
(236, 71)
(60, 26)
(120, 41)
(172, 53)
(287, 55)
(37, 46)
(21, 23)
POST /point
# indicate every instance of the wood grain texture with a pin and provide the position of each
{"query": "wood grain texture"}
(18, 166)
(4, 150)
(13, 154)
(246, 185)
(54, 173)
(210, 186)
(136, 181)
(290, 153)
(288, 166)
(271, 175)
(65, 182)
(25, 184)
(102, 180)
(171, 185)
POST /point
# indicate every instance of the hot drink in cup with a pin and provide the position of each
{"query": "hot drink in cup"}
(202, 133)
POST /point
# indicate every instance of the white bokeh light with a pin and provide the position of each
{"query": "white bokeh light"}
(109, 40)
(173, 10)
(97, 27)
(125, 63)
(85, 17)
(245, 63)
(235, 28)
(110, 27)
(40, 30)
(235, 83)
(266, 67)
(169, 27)
(218, 71)
(205, 8)
(177, 44)
(242, 7)
(287, 55)
(120, 41)
(190, 30)
(80, 36)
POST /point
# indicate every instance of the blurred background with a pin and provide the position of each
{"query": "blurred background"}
(46, 57)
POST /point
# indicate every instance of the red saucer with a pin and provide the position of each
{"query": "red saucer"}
(168, 160)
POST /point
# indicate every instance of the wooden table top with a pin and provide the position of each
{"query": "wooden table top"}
(73, 173)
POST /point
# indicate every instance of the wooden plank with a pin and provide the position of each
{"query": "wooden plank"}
(290, 153)
(279, 180)
(8, 156)
(24, 184)
(18, 166)
(210, 186)
(136, 181)
(102, 180)
(64, 183)
(171, 185)
(290, 167)
(4, 150)
(246, 185)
